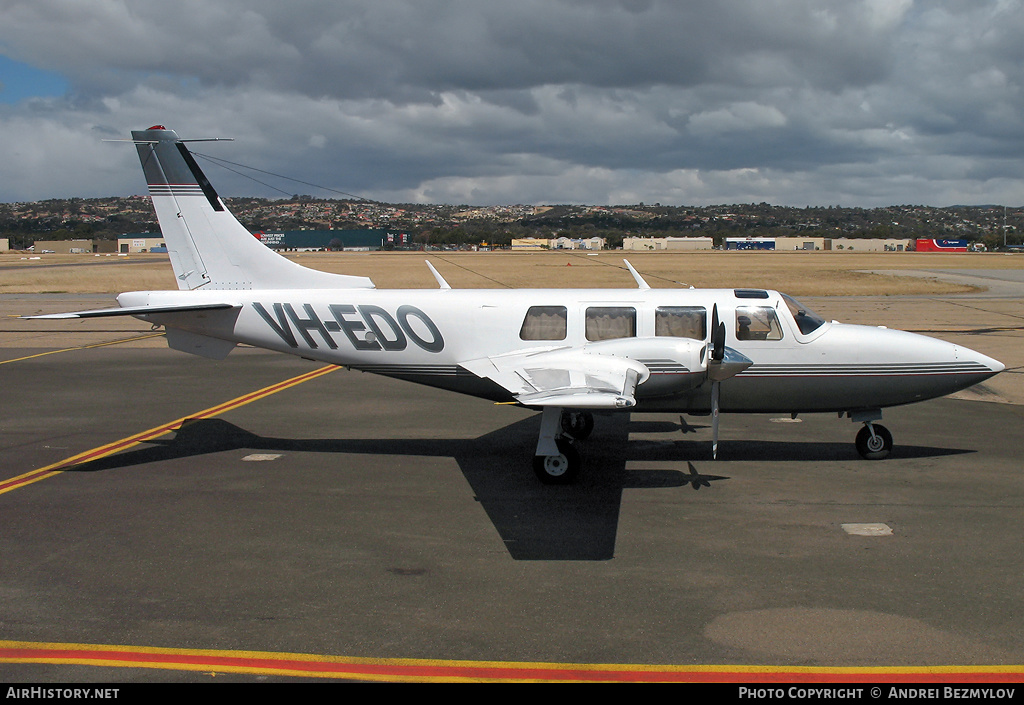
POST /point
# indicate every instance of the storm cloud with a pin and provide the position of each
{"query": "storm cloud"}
(795, 102)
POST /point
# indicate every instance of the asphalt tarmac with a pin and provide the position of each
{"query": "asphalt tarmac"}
(356, 517)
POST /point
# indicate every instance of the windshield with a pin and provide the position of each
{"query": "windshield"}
(806, 319)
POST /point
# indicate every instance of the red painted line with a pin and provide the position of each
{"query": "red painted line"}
(25, 479)
(422, 670)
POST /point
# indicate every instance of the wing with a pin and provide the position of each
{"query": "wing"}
(565, 377)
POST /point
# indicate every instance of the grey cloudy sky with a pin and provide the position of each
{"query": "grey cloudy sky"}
(793, 102)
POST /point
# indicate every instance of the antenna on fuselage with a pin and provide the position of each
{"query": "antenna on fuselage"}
(636, 275)
(437, 275)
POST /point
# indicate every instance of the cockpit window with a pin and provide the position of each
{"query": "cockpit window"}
(757, 323)
(806, 319)
(544, 323)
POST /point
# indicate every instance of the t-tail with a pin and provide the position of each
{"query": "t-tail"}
(208, 247)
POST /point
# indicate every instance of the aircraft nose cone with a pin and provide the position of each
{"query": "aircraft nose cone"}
(995, 366)
(913, 367)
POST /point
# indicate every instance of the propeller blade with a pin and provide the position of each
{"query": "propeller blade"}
(717, 336)
(714, 419)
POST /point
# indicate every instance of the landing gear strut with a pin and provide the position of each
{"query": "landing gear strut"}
(557, 462)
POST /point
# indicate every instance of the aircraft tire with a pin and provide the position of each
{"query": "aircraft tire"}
(561, 469)
(578, 424)
(877, 447)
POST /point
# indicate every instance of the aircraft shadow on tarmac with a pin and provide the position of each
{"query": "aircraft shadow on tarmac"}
(535, 521)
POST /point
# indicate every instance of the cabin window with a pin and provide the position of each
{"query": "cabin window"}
(757, 323)
(544, 323)
(681, 322)
(609, 322)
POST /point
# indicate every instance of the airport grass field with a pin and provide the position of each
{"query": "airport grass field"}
(796, 273)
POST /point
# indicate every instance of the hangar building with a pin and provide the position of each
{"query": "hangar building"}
(333, 239)
(667, 243)
(141, 242)
(73, 247)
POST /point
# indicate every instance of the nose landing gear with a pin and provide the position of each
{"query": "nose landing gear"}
(874, 441)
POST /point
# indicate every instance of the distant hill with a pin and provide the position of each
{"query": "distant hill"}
(109, 218)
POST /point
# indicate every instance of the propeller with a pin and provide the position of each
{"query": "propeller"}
(714, 419)
(717, 336)
(717, 355)
(723, 363)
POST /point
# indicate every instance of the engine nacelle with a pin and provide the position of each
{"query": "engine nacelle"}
(675, 364)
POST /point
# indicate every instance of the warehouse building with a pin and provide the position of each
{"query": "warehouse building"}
(293, 240)
(676, 244)
(134, 243)
(72, 247)
(306, 240)
(536, 244)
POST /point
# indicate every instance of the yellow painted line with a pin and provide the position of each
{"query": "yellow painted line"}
(82, 347)
(439, 670)
(117, 446)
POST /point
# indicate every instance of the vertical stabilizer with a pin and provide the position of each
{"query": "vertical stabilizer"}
(208, 247)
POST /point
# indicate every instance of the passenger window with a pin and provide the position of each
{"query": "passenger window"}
(609, 322)
(757, 323)
(544, 323)
(681, 322)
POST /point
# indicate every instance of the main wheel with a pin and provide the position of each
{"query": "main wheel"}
(578, 424)
(559, 469)
(874, 447)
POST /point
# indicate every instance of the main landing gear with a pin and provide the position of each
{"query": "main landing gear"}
(578, 424)
(557, 462)
(561, 468)
(874, 441)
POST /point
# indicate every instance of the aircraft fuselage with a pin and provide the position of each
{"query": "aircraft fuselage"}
(427, 336)
(566, 352)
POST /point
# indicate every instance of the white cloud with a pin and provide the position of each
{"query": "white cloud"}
(886, 15)
(790, 101)
(735, 118)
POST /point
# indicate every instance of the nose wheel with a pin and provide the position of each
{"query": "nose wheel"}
(874, 441)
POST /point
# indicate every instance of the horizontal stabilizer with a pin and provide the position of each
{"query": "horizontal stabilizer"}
(137, 311)
(195, 344)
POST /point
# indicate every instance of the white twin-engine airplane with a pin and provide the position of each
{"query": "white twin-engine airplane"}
(568, 353)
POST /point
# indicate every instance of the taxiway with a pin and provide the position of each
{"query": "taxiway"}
(357, 516)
